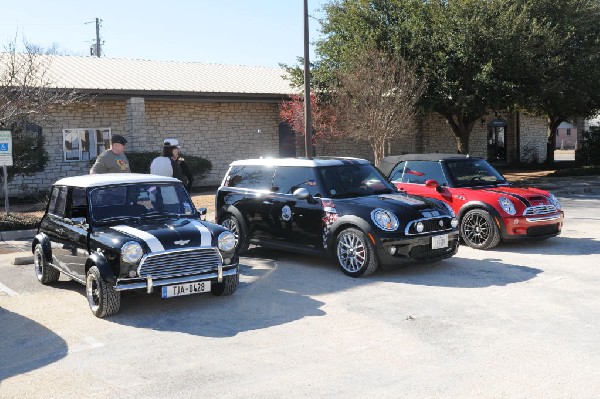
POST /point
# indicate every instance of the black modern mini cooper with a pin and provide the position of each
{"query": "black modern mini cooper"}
(126, 231)
(341, 207)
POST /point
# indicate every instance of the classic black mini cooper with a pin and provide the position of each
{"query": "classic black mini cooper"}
(341, 207)
(126, 231)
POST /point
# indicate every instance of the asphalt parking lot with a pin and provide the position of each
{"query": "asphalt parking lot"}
(517, 321)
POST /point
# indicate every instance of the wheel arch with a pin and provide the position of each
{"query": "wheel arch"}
(44, 241)
(483, 206)
(343, 223)
(98, 260)
(232, 210)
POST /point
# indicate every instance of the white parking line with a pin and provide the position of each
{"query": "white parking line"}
(7, 290)
(90, 343)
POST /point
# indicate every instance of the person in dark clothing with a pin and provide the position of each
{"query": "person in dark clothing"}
(170, 164)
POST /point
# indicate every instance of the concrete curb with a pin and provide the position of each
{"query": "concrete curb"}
(17, 235)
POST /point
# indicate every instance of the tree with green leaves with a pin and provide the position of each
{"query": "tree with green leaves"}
(560, 56)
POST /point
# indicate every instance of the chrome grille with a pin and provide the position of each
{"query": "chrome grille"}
(180, 263)
(432, 225)
(540, 210)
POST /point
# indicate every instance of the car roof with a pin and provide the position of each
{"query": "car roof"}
(321, 161)
(105, 179)
(387, 163)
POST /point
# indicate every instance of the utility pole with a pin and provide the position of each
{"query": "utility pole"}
(307, 121)
(98, 49)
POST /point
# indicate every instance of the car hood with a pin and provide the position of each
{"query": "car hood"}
(528, 196)
(411, 206)
(160, 234)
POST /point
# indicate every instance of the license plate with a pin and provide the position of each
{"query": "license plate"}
(440, 241)
(170, 291)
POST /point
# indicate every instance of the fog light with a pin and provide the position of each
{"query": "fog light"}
(454, 223)
(420, 227)
(226, 261)
(393, 250)
(516, 221)
(132, 273)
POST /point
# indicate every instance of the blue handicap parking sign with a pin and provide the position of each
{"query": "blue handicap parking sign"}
(4, 147)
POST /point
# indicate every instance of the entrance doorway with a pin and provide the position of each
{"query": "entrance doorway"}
(496, 141)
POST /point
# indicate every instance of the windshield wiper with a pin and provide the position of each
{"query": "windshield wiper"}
(118, 218)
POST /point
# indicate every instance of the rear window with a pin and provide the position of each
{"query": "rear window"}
(250, 176)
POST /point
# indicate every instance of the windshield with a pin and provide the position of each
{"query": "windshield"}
(139, 201)
(354, 180)
(473, 172)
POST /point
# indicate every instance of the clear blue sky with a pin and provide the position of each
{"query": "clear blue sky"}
(244, 32)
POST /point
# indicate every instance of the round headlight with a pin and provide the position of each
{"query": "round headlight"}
(507, 205)
(420, 227)
(555, 201)
(454, 223)
(226, 241)
(384, 219)
(131, 252)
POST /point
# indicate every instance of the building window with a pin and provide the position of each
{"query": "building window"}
(85, 144)
(568, 132)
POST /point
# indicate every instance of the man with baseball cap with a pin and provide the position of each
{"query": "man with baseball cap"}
(113, 160)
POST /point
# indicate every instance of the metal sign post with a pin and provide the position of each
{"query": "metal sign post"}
(6, 159)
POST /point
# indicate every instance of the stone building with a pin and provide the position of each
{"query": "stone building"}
(221, 113)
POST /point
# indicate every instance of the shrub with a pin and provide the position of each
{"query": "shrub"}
(139, 162)
(589, 153)
(18, 221)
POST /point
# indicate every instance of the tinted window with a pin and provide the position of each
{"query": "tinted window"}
(290, 178)
(353, 180)
(473, 172)
(78, 203)
(420, 171)
(58, 201)
(250, 176)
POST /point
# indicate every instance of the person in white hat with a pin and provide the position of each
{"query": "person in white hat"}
(167, 164)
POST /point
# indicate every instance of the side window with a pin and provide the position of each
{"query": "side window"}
(396, 174)
(419, 172)
(58, 201)
(250, 176)
(290, 178)
(78, 203)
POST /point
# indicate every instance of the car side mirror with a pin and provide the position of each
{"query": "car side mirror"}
(303, 194)
(433, 184)
(202, 213)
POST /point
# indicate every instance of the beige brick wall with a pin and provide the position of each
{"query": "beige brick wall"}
(219, 132)
(223, 132)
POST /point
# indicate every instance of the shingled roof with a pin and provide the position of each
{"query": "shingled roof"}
(118, 76)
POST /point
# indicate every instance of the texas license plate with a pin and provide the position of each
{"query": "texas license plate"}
(440, 241)
(170, 291)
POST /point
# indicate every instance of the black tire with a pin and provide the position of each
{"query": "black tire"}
(228, 286)
(355, 253)
(478, 230)
(232, 224)
(46, 273)
(102, 297)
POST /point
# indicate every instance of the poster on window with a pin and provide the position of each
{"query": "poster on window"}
(85, 144)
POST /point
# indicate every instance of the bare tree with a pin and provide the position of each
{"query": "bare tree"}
(28, 94)
(377, 100)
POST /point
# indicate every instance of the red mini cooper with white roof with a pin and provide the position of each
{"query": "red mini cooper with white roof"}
(488, 208)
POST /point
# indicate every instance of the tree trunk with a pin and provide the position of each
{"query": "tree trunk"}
(461, 126)
(553, 122)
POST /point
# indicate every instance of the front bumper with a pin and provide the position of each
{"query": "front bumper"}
(148, 283)
(392, 251)
(531, 226)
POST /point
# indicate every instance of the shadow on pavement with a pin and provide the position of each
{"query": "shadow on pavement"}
(26, 345)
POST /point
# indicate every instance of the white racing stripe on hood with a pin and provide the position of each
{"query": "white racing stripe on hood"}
(153, 243)
(205, 234)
